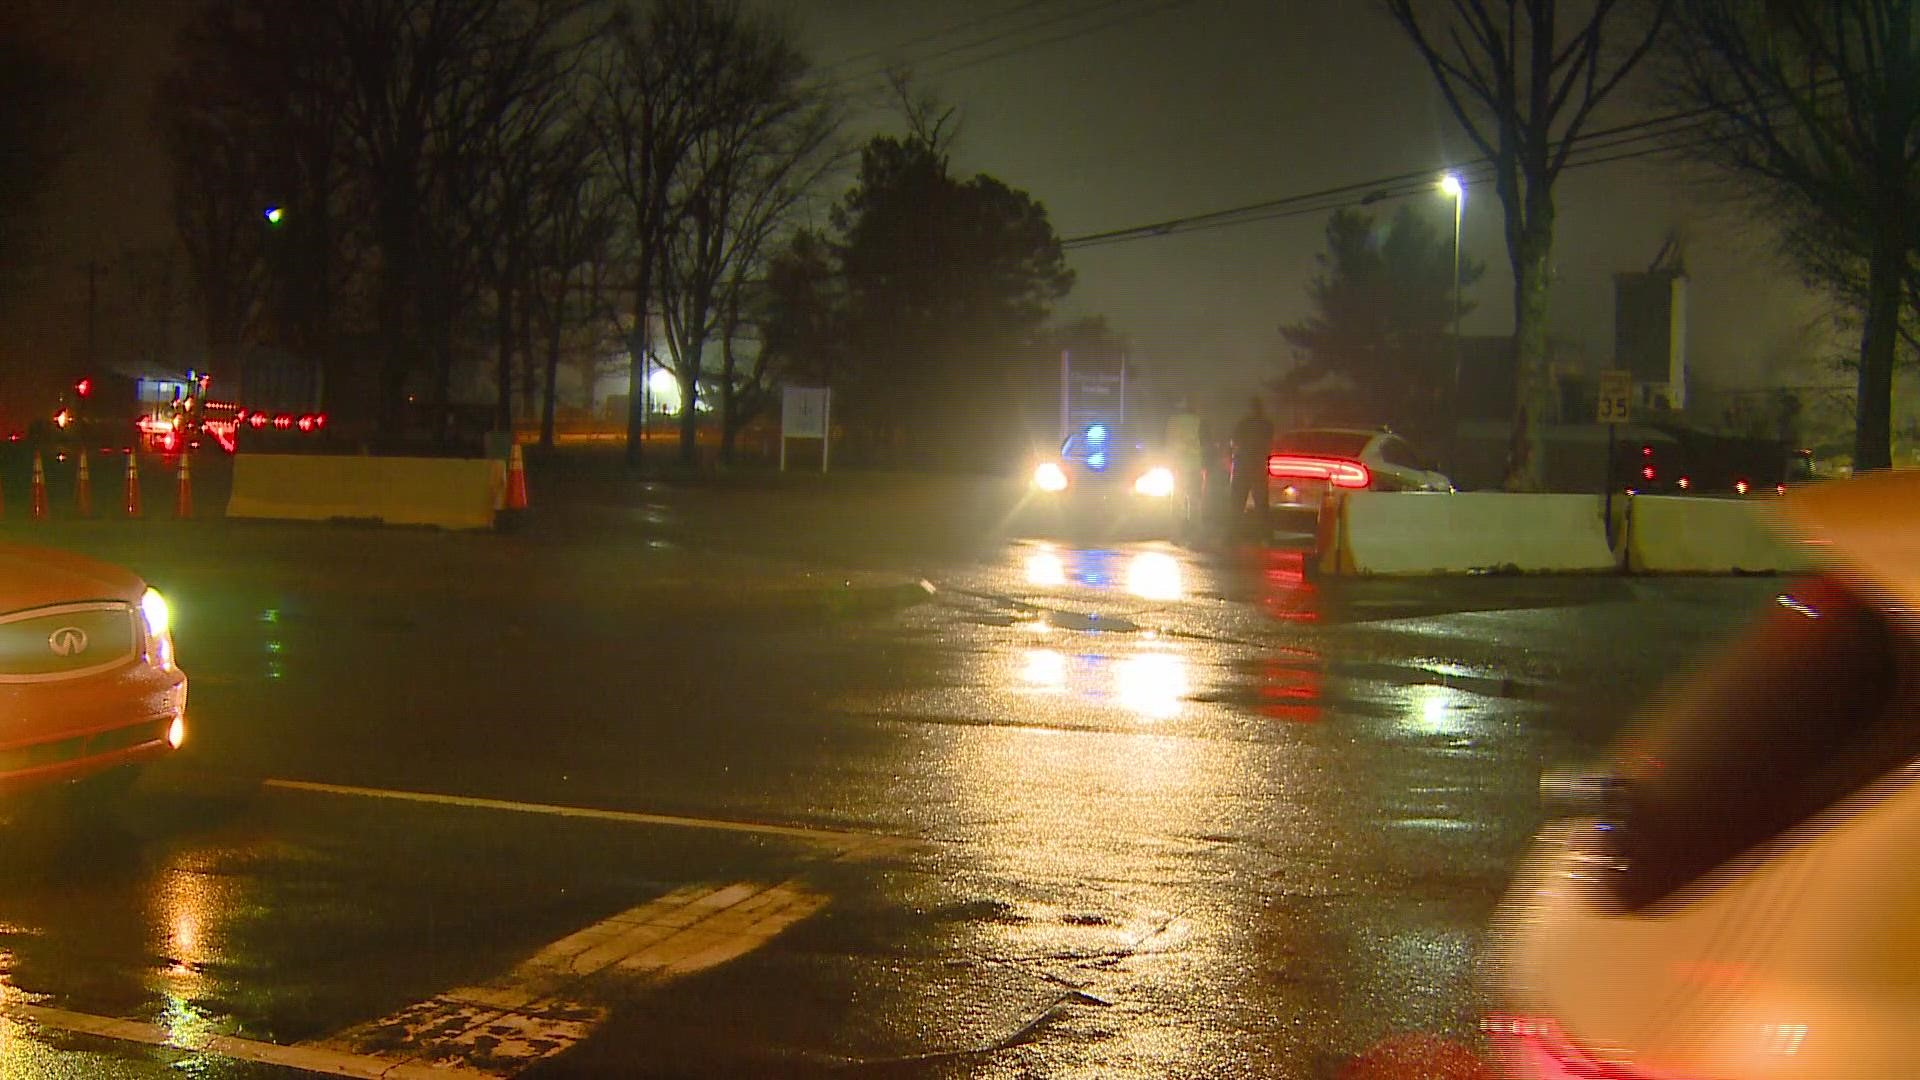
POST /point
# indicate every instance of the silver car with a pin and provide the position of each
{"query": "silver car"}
(1305, 463)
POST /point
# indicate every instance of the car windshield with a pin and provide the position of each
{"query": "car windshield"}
(1100, 446)
(1341, 444)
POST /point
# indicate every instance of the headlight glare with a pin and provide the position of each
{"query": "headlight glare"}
(1156, 482)
(1050, 477)
(154, 607)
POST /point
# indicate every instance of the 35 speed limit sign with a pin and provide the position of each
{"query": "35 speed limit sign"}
(1616, 396)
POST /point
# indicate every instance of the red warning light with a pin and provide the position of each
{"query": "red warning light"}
(83, 387)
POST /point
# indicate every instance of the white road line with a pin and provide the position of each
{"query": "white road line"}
(852, 842)
(304, 1058)
(544, 1006)
(541, 1008)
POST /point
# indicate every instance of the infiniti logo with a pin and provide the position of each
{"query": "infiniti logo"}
(67, 641)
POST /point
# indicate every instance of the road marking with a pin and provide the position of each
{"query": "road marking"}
(304, 1058)
(544, 1006)
(852, 843)
(537, 1010)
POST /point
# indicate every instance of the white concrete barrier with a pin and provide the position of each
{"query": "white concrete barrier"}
(1669, 534)
(452, 493)
(1427, 533)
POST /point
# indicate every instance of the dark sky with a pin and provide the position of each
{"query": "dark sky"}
(1128, 112)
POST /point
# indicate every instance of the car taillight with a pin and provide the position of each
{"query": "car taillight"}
(1538, 1046)
(1340, 472)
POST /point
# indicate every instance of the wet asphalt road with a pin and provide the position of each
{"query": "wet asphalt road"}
(1107, 808)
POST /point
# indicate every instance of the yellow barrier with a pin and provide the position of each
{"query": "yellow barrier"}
(1429, 533)
(1678, 535)
(451, 493)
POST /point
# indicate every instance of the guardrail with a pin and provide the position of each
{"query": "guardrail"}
(1414, 534)
(451, 493)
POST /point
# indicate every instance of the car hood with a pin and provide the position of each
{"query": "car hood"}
(34, 577)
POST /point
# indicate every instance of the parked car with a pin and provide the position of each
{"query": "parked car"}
(1733, 894)
(1307, 462)
(89, 686)
(1106, 478)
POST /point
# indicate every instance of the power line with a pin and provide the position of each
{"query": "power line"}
(1662, 128)
(1140, 13)
(1081, 11)
(1475, 172)
(934, 35)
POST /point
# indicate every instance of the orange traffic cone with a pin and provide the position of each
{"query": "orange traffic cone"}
(516, 479)
(183, 503)
(83, 489)
(39, 488)
(133, 485)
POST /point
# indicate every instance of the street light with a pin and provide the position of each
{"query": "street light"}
(1452, 188)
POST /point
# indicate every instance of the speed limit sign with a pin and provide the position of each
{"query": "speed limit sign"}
(1616, 396)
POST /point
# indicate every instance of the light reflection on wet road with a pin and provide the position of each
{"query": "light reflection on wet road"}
(1177, 813)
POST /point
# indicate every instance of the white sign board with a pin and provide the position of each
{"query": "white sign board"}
(805, 413)
(1616, 397)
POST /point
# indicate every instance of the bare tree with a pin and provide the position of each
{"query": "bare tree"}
(249, 118)
(571, 252)
(1523, 81)
(647, 110)
(520, 168)
(771, 141)
(1817, 105)
(40, 100)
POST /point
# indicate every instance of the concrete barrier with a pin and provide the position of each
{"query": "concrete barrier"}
(1669, 534)
(1426, 533)
(452, 493)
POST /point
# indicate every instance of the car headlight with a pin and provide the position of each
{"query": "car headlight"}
(159, 621)
(1050, 477)
(1156, 482)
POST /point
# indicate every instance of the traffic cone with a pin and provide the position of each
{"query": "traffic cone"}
(39, 488)
(133, 485)
(183, 502)
(516, 479)
(83, 489)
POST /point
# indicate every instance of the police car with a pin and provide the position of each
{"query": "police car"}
(1105, 476)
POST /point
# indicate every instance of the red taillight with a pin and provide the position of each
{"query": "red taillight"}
(1548, 1053)
(1340, 472)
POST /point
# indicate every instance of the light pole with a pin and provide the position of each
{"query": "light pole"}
(1452, 188)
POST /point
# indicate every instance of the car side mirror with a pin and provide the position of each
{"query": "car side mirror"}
(1566, 794)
